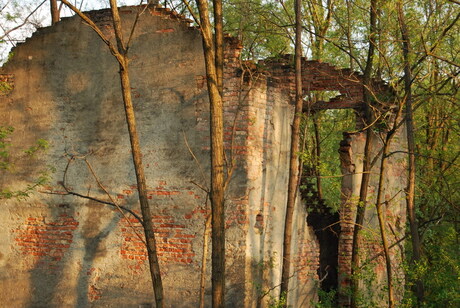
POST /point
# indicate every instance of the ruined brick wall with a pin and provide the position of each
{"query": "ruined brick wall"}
(66, 251)
(61, 250)
(373, 274)
(317, 76)
(269, 117)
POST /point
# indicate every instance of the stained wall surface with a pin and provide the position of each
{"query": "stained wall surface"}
(60, 250)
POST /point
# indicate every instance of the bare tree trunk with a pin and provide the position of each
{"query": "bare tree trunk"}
(204, 260)
(381, 218)
(217, 160)
(120, 53)
(137, 158)
(360, 212)
(349, 26)
(361, 209)
(410, 192)
(293, 163)
(54, 12)
(316, 125)
(142, 187)
(219, 44)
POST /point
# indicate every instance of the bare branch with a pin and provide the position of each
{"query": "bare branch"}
(23, 23)
(139, 13)
(112, 48)
(197, 162)
(116, 204)
(189, 8)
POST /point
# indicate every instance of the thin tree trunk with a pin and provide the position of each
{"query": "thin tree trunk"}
(142, 187)
(381, 218)
(120, 53)
(321, 14)
(204, 260)
(360, 212)
(293, 163)
(410, 192)
(381, 44)
(219, 44)
(54, 12)
(321, 18)
(361, 209)
(217, 161)
(349, 26)
(137, 159)
(316, 125)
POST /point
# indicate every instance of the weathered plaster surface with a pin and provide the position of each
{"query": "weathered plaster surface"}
(64, 251)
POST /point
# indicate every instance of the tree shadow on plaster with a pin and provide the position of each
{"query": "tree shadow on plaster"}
(161, 134)
(95, 213)
(273, 177)
(95, 241)
(55, 236)
(262, 272)
(93, 237)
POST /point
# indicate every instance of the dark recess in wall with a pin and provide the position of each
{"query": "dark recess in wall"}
(327, 229)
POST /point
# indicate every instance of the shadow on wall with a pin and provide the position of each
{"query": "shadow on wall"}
(94, 248)
(49, 238)
(46, 241)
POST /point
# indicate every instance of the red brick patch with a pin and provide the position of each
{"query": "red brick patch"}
(174, 243)
(42, 239)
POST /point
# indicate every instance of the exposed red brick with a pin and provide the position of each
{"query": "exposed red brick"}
(43, 239)
(169, 30)
(173, 243)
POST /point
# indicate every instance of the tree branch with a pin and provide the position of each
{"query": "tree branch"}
(24, 22)
(112, 48)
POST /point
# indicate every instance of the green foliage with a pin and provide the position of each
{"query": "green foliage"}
(5, 87)
(326, 299)
(263, 265)
(372, 293)
(44, 178)
(5, 132)
(7, 166)
(11, 17)
(278, 302)
(438, 195)
(439, 269)
(331, 125)
(41, 145)
(259, 25)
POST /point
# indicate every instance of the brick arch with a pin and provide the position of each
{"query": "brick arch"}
(321, 76)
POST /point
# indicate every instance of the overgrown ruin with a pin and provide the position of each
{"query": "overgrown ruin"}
(63, 250)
